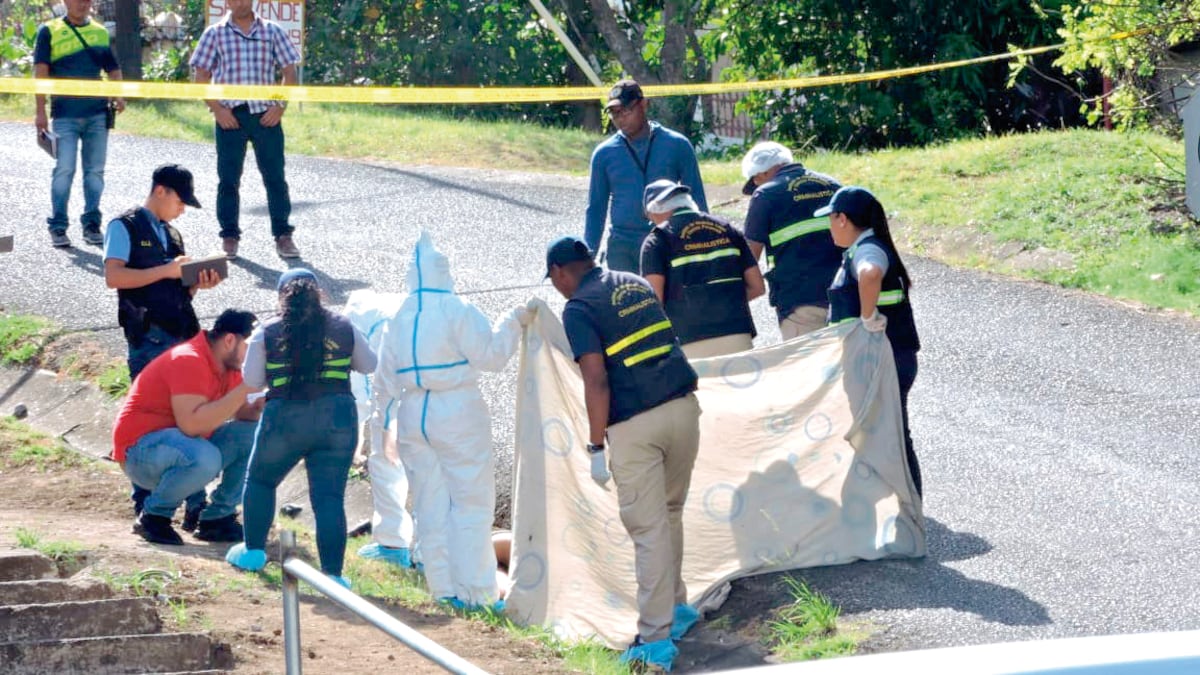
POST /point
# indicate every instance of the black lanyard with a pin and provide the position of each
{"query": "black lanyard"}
(633, 153)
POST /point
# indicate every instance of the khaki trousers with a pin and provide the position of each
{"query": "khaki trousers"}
(803, 319)
(718, 346)
(652, 458)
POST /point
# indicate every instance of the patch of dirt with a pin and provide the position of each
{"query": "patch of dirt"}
(78, 355)
(90, 506)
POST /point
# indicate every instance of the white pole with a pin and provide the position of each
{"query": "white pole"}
(566, 41)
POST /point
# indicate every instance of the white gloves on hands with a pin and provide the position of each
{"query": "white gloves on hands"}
(600, 472)
(524, 316)
(875, 323)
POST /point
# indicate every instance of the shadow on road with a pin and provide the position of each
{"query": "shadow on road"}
(451, 185)
(87, 260)
(336, 290)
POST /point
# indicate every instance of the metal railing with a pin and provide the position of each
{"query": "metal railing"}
(296, 570)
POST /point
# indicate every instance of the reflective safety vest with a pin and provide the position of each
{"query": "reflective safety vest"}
(166, 303)
(64, 43)
(642, 357)
(705, 290)
(844, 303)
(801, 254)
(333, 376)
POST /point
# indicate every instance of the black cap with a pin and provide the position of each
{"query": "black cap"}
(178, 179)
(624, 93)
(566, 250)
(851, 200)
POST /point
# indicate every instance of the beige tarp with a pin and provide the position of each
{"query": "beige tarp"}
(801, 464)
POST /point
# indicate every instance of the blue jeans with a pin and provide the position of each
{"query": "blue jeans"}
(74, 132)
(231, 159)
(323, 432)
(173, 465)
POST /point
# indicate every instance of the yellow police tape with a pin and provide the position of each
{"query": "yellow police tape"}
(469, 95)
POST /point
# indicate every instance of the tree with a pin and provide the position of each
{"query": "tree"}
(1132, 62)
(127, 44)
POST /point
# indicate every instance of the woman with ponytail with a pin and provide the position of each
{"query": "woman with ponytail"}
(304, 358)
(873, 286)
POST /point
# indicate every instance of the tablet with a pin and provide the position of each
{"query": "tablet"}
(191, 270)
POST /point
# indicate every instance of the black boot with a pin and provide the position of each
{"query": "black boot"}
(220, 529)
(191, 518)
(157, 530)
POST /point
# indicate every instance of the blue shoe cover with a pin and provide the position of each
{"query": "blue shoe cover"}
(660, 653)
(686, 616)
(249, 559)
(396, 556)
(498, 607)
(343, 581)
(452, 602)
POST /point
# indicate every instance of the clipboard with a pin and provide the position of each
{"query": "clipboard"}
(190, 271)
(48, 140)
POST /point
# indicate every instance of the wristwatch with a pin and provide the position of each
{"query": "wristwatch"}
(592, 448)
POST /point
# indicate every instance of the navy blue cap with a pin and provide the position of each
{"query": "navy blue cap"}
(292, 275)
(661, 190)
(179, 179)
(566, 250)
(851, 200)
(624, 93)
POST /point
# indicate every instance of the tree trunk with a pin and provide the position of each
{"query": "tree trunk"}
(128, 43)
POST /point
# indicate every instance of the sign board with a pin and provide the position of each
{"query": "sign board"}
(289, 14)
(1191, 144)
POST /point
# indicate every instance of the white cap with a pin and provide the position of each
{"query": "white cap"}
(763, 156)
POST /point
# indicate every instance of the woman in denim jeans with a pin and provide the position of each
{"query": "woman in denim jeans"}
(304, 358)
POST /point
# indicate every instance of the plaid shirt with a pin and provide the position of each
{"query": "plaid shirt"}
(234, 57)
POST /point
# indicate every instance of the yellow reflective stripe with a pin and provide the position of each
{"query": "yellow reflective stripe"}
(890, 298)
(648, 354)
(838, 323)
(333, 363)
(704, 257)
(280, 381)
(335, 374)
(724, 281)
(770, 260)
(275, 366)
(786, 234)
(640, 335)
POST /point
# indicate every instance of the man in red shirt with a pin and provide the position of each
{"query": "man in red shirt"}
(185, 421)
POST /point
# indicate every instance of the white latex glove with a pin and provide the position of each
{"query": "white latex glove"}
(875, 323)
(600, 472)
(524, 316)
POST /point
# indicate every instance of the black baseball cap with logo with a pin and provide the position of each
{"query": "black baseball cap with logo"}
(566, 250)
(624, 94)
(178, 179)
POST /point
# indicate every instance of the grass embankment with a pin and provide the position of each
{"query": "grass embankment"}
(31, 341)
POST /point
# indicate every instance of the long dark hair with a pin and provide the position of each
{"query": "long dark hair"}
(303, 328)
(877, 220)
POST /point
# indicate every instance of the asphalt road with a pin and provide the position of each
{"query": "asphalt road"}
(1057, 431)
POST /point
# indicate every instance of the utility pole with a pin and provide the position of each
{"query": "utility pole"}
(128, 42)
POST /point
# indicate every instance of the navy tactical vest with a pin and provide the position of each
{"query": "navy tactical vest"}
(800, 251)
(645, 364)
(844, 304)
(705, 293)
(333, 376)
(165, 303)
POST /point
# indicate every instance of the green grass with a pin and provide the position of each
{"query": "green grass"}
(59, 551)
(21, 338)
(21, 446)
(807, 629)
(146, 583)
(114, 380)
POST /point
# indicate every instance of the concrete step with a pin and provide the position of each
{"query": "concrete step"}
(24, 565)
(52, 590)
(169, 653)
(92, 618)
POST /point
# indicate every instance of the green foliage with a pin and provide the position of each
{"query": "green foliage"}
(59, 551)
(114, 381)
(21, 338)
(1133, 62)
(19, 21)
(21, 446)
(808, 627)
(769, 40)
(168, 65)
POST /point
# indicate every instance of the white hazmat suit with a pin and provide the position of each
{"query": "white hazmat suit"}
(432, 352)
(391, 525)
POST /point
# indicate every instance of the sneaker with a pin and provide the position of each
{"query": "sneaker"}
(659, 654)
(157, 530)
(230, 246)
(60, 240)
(92, 235)
(285, 247)
(249, 559)
(191, 518)
(686, 616)
(220, 529)
(395, 556)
